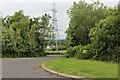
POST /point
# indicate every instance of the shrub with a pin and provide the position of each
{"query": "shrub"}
(105, 38)
(72, 51)
(59, 48)
(62, 47)
(86, 52)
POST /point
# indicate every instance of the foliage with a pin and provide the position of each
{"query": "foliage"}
(0, 37)
(98, 35)
(81, 52)
(24, 36)
(72, 51)
(83, 17)
(61, 45)
(59, 48)
(106, 39)
(55, 52)
(84, 52)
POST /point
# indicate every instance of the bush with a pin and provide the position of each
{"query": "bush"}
(86, 52)
(72, 51)
(61, 52)
(21, 37)
(105, 38)
(59, 48)
(62, 47)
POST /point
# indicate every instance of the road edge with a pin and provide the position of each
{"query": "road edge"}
(59, 74)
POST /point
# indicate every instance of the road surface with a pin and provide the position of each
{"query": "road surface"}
(26, 67)
(0, 68)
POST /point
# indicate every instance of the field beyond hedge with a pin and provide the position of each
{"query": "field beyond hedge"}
(55, 52)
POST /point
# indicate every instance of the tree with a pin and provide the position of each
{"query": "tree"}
(106, 39)
(24, 36)
(83, 17)
(94, 29)
(42, 33)
(0, 36)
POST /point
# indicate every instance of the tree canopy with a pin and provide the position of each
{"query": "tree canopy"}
(24, 36)
(93, 31)
(83, 17)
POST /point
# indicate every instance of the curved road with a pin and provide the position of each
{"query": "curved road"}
(26, 67)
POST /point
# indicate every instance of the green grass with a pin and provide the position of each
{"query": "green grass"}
(84, 68)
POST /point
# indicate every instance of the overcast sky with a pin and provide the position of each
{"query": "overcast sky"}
(35, 8)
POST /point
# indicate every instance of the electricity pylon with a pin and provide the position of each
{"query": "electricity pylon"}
(54, 32)
(55, 26)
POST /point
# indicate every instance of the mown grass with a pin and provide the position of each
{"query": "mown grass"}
(84, 68)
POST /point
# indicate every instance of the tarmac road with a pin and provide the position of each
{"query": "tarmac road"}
(0, 68)
(26, 67)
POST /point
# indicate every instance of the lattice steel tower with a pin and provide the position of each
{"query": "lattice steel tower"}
(55, 26)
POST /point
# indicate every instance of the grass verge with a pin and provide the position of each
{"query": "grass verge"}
(84, 68)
